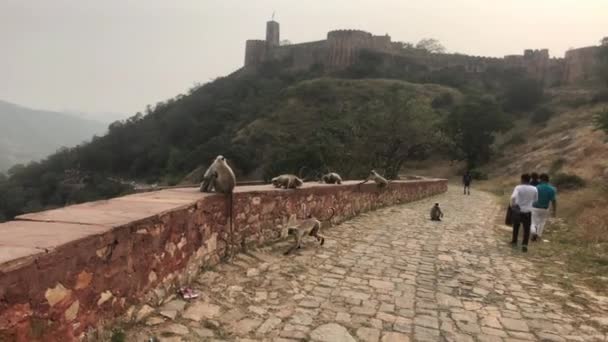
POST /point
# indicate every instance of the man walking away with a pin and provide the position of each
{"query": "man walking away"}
(540, 210)
(534, 181)
(466, 181)
(523, 197)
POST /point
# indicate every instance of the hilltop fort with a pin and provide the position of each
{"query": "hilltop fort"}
(342, 48)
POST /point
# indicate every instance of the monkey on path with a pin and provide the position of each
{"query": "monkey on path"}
(287, 182)
(220, 177)
(436, 213)
(379, 180)
(331, 178)
(309, 226)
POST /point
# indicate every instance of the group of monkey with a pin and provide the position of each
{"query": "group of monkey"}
(290, 181)
(220, 178)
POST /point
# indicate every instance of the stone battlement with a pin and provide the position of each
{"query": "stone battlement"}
(342, 49)
(66, 271)
(348, 32)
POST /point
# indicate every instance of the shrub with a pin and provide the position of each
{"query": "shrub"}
(118, 335)
(600, 96)
(515, 139)
(600, 120)
(567, 181)
(557, 165)
(576, 102)
(523, 94)
(594, 223)
(541, 115)
(443, 100)
(478, 174)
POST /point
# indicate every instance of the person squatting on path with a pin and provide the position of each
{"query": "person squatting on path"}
(524, 195)
(466, 181)
(540, 210)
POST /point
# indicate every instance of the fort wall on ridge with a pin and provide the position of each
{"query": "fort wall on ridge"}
(342, 49)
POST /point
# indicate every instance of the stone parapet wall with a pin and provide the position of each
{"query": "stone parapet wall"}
(66, 271)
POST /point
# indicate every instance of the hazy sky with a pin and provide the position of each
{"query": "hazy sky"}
(119, 55)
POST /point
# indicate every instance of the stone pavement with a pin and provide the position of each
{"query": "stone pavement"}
(389, 275)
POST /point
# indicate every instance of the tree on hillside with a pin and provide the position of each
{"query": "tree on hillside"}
(405, 45)
(523, 94)
(431, 45)
(405, 131)
(471, 128)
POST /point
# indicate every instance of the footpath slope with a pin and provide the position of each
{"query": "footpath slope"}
(389, 275)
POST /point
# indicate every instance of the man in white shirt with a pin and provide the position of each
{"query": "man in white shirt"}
(523, 197)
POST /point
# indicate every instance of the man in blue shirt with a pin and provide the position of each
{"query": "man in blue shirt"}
(540, 210)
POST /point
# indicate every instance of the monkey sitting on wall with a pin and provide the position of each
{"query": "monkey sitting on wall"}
(379, 180)
(219, 177)
(331, 178)
(309, 226)
(436, 213)
(287, 181)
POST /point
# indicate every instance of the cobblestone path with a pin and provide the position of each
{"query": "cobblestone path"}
(389, 275)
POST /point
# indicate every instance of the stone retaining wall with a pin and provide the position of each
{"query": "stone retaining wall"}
(66, 271)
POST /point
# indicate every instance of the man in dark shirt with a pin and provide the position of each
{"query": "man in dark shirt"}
(466, 181)
(534, 181)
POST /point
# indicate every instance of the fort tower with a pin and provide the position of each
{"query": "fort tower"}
(273, 34)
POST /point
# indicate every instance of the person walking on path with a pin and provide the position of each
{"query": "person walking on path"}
(523, 197)
(540, 211)
(466, 181)
(534, 179)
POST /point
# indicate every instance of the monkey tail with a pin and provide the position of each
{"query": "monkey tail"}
(333, 212)
(301, 171)
(231, 218)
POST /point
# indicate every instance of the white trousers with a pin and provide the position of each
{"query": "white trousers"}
(539, 219)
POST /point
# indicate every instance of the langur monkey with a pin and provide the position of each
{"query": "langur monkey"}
(331, 178)
(220, 177)
(436, 213)
(287, 181)
(309, 226)
(379, 180)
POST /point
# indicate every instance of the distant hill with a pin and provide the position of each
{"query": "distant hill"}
(29, 134)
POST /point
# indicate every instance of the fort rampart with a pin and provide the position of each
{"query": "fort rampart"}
(342, 48)
(69, 270)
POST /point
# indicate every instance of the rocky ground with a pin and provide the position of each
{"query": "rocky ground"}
(390, 275)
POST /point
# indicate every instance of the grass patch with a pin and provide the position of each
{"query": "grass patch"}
(566, 181)
(118, 335)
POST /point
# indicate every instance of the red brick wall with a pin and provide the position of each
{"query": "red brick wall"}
(54, 289)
